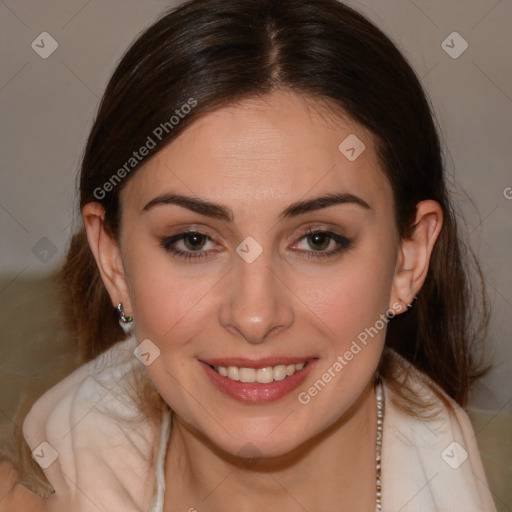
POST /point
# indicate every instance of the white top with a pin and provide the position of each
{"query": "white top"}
(157, 503)
(99, 453)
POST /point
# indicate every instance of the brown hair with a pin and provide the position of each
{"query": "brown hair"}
(220, 51)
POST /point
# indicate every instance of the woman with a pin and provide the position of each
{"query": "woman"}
(269, 287)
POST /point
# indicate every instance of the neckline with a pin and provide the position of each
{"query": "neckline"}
(157, 503)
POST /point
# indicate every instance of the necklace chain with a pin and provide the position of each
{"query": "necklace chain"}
(380, 422)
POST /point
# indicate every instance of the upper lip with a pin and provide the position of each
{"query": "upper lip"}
(257, 363)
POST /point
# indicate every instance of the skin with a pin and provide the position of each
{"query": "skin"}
(257, 157)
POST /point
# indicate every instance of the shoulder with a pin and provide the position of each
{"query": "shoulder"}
(416, 394)
(432, 449)
(14, 495)
(83, 387)
(87, 426)
(428, 407)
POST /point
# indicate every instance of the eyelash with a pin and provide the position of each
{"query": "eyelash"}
(167, 243)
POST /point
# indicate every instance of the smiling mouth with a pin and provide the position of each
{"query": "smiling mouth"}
(264, 375)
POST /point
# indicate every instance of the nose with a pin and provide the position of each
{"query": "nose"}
(257, 301)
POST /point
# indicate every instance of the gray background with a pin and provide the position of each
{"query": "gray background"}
(49, 105)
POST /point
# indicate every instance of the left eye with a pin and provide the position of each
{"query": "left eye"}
(319, 241)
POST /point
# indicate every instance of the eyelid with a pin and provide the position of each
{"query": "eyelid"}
(317, 228)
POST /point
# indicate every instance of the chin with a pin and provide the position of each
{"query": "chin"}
(257, 438)
(250, 450)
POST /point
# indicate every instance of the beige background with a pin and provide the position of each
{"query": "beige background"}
(49, 104)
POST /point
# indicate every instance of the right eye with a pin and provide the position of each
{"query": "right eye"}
(192, 243)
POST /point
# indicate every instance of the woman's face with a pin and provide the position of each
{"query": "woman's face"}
(253, 290)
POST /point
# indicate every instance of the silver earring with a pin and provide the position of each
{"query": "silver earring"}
(409, 306)
(122, 317)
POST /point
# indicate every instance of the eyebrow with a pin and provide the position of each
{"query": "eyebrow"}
(222, 212)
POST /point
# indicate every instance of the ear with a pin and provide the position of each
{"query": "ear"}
(414, 255)
(107, 255)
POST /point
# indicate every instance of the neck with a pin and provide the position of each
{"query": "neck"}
(333, 471)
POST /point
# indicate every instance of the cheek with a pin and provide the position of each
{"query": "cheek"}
(171, 310)
(167, 295)
(167, 305)
(351, 306)
(350, 299)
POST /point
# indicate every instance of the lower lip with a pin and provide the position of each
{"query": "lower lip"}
(255, 393)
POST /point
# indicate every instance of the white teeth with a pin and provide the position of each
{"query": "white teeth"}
(290, 369)
(232, 372)
(279, 372)
(264, 375)
(247, 374)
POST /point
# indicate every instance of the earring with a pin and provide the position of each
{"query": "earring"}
(122, 317)
(409, 306)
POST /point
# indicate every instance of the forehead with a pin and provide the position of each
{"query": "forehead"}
(277, 148)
